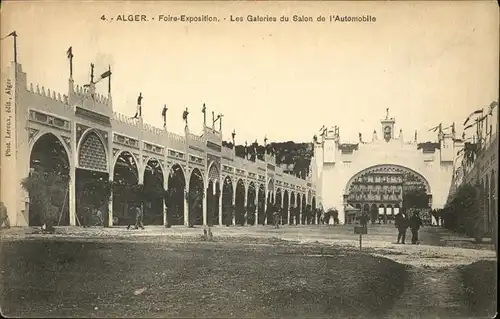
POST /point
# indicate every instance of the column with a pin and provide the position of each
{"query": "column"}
(205, 204)
(300, 213)
(110, 203)
(186, 207)
(256, 208)
(72, 195)
(245, 205)
(265, 208)
(220, 204)
(233, 209)
(165, 208)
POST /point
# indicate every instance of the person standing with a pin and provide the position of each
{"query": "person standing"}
(401, 223)
(4, 217)
(138, 218)
(415, 223)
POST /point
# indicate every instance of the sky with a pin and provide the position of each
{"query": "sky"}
(428, 62)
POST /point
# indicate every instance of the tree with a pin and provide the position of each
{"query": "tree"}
(48, 194)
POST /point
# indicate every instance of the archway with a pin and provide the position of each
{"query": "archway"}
(251, 208)
(493, 204)
(195, 198)
(285, 210)
(175, 195)
(49, 165)
(93, 188)
(153, 193)
(389, 214)
(126, 191)
(227, 201)
(277, 205)
(388, 185)
(297, 211)
(270, 208)
(487, 200)
(213, 195)
(373, 213)
(293, 209)
(240, 203)
(381, 213)
(261, 207)
(305, 211)
(313, 208)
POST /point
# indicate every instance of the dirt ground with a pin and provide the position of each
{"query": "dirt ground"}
(300, 271)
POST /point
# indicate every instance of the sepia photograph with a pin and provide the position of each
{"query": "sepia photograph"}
(249, 159)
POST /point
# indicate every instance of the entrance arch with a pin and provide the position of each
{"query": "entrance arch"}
(195, 198)
(240, 203)
(251, 196)
(175, 195)
(285, 210)
(293, 209)
(93, 188)
(126, 190)
(227, 201)
(153, 193)
(387, 186)
(49, 164)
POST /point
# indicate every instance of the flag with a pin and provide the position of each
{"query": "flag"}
(12, 34)
(164, 111)
(204, 108)
(185, 114)
(472, 114)
(69, 53)
(105, 74)
(434, 129)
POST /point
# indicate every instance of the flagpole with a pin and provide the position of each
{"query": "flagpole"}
(109, 80)
(15, 47)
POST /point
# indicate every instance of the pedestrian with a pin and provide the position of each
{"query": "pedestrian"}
(4, 217)
(100, 220)
(415, 224)
(364, 220)
(401, 222)
(276, 216)
(138, 218)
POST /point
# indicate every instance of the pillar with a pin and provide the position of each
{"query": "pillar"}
(205, 204)
(72, 195)
(233, 202)
(220, 204)
(245, 206)
(256, 208)
(165, 189)
(300, 213)
(186, 207)
(265, 208)
(110, 203)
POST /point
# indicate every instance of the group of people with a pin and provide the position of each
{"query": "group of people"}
(403, 222)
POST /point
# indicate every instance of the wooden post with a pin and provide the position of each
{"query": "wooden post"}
(360, 241)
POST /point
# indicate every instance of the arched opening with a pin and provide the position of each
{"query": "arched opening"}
(373, 213)
(389, 214)
(126, 191)
(213, 193)
(313, 207)
(381, 213)
(195, 198)
(388, 185)
(93, 188)
(261, 207)
(286, 207)
(227, 201)
(251, 208)
(240, 203)
(49, 165)
(293, 209)
(493, 204)
(277, 205)
(153, 193)
(298, 209)
(305, 212)
(175, 195)
(270, 208)
(487, 200)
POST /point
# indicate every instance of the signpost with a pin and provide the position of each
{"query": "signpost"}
(361, 230)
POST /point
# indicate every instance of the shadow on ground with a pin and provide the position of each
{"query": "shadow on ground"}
(55, 278)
